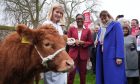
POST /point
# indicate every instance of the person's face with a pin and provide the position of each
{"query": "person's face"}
(96, 29)
(133, 24)
(80, 20)
(104, 19)
(125, 31)
(57, 14)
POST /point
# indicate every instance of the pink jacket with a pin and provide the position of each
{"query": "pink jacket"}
(81, 50)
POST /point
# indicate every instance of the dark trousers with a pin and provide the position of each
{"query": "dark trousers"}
(133, 80)
(93, 59)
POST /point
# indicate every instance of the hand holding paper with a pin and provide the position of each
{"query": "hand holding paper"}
(70, 41)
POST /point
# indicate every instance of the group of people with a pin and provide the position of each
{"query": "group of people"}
(113, 47)
(131, 52)
(117, 55)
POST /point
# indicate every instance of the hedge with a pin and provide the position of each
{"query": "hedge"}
(2, 27)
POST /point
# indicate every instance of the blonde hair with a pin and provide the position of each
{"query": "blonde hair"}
(124, 22)
(54, 6)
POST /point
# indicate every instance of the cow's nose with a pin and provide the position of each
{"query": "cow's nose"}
(70, 63)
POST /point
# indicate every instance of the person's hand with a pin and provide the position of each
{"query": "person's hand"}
(101, 42)
(81, 42)
(118, 61)
(70, 41)
(77, 42)
(95, 43)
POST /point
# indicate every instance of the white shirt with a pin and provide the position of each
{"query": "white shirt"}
(57, 26)
(101, 38)
(55, 77)
(79, 34)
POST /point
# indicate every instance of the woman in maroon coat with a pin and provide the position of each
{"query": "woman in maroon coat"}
(79, 50)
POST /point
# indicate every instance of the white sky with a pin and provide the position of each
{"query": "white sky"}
(129, 8)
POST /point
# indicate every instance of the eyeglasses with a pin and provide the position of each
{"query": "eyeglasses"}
(79, 19)
(126, 28)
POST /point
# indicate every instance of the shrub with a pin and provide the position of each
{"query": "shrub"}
(2, 27)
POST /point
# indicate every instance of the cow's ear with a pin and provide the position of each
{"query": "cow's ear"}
(25, 33)
(65, 37)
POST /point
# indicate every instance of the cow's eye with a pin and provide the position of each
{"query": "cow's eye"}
(47, 44)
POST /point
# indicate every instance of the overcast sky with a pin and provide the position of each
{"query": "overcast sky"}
(129, 8)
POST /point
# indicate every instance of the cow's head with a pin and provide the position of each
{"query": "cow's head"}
(48, 45)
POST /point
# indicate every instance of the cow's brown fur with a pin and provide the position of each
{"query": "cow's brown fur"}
(20, 62)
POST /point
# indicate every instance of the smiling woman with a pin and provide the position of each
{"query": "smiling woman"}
(78, 51)
(110, 67)
(55, 14)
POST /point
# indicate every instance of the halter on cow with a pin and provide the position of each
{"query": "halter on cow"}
(50, 57)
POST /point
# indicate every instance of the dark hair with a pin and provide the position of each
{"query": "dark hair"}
(128, 28)
(105, 13)
(119, 16)
(81, 15)
(136, 20)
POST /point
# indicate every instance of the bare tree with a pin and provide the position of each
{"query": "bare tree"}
(93, 6)
(72, 7)
(31, 12)
(25, 11)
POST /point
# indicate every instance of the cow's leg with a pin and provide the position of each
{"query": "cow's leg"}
(37, 78)
(31, 81)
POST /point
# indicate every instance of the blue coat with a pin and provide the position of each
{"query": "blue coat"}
(107, 71)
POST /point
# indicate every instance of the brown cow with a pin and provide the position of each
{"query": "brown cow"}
(27, 52)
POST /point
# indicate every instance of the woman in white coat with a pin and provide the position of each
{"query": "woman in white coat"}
(55, 14)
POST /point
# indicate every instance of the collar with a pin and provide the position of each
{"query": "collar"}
(83, 27)
(106, 25)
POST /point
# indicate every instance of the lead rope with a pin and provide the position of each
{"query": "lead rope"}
(49, 57)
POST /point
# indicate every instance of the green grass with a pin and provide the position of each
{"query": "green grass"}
(2, 27)
(90, 78)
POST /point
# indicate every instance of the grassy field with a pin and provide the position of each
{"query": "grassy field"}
(90, 78)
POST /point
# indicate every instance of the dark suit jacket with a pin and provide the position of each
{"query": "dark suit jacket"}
(83, 51)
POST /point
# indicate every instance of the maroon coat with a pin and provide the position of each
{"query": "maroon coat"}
(86, 37)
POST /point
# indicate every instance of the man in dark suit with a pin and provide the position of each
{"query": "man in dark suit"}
(92, 48)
